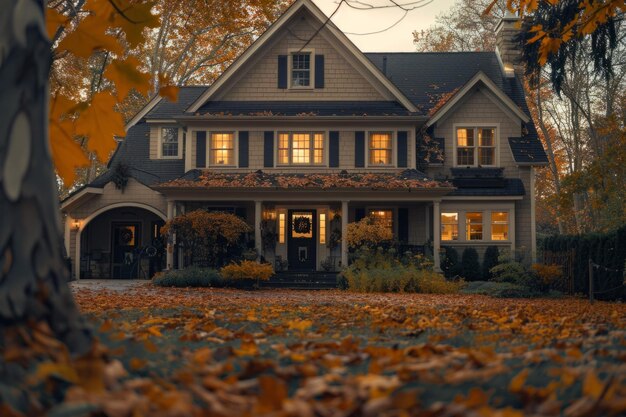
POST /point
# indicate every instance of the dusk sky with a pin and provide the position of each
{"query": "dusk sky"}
(399, 38)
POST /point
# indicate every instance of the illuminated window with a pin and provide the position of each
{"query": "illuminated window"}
(222, 150)
(300, 148)
(474, 226)
(449, 226)
(470, 152)
(380, 145)
(169, 142)
(322, 228)
(281, 228)
(384, 216)
(300, 70)
(499, 225)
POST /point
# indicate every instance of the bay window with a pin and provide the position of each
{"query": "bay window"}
(499, 225)
(300, 148)
(476, 146)
(474, 226)
(380, 146)
(449, 226)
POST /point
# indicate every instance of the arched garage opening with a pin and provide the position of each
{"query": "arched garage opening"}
(121, 242)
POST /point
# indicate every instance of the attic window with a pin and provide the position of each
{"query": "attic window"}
(170, 142)
(301, 70)
(475, 146)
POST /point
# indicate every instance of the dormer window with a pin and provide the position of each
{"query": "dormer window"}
(301, 70)
(475, 146)
(170, 143)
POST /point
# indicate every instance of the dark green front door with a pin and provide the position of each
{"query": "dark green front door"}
(301, 240)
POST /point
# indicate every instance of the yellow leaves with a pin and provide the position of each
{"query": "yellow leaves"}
(592, 386)
(89, 36)
(548, 46)
(137, 363)
(300, 325)
(273, 392)
(59, 370)
(100, 123)
(248, 347)
(126, 76)
(67, 154)
(131, 16)
(517, 383)
(54, 20)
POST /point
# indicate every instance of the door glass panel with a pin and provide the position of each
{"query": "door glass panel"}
(302, 225)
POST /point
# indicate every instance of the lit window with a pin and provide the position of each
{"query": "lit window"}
(169, 141)
(300, 148)
(380, 148)
(499, 225)
(384, 216)
(222, 149)
(474, 226)
(300, 70)
(471, 153)
(449, 226)
(281, 228)
(322, 228)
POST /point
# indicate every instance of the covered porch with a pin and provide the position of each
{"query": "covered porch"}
(300, 228)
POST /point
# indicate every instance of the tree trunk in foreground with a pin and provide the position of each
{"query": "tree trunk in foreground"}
(35, 299)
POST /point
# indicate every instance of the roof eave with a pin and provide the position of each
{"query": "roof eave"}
(408, 118)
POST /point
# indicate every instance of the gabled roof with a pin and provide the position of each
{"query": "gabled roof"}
(304, 108)
(329, 28)
(482, 79)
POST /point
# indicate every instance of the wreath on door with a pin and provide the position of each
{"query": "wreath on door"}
(126, 235)
(302, 225)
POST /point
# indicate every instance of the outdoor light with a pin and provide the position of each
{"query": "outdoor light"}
(76, 224)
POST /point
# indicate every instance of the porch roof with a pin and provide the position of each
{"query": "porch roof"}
(406, 180)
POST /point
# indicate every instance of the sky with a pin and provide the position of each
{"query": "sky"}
(397, 39)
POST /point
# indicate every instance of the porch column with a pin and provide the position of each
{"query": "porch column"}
(258, 245)
(169, 253)
(436, 236)
(344, 233)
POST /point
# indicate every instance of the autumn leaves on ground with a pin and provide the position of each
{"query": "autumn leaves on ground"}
(179, 352)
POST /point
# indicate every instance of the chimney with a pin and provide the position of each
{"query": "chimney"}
(507, 44)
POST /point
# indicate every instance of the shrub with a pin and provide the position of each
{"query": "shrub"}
(208, 238)
(492, 254)
(512, 272)
(398, 278)
(368, 232)
(189, 277)
(247, 270)
(470, 267)
(548, 276)
(450, 262)
(504, 290)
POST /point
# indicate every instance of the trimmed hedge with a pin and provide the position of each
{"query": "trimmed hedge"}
(470, 266)
(491, 259)
(608, 250)
(189, 277)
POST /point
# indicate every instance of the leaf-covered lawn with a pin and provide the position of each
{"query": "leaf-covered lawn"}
(306, 353)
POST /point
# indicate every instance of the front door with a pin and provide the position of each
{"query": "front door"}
(125, 259)
(301, 240)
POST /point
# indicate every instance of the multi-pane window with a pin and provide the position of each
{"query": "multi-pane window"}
(380, 145)
(169, 141)
(449, 226)
(222, 149)
(475, 146)
(323, 228)
(385, 217)
(300, 148)
(281, 228)
(300, 70)
(474, 226)
(499, 225)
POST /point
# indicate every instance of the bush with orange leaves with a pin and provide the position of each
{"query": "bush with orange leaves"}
(368, 232)
(247, 270)
(208, 239)
(548, 276)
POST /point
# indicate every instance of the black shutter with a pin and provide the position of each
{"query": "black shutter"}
(268, 150)
(319, 71)
(359, 149)
(243, 149)
(282, 71)
(403, 224)
(402, 149)
(333, 149)
(241, 212)
(359, 213)
(200, 149)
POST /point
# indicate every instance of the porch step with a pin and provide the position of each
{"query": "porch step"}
(302, 280)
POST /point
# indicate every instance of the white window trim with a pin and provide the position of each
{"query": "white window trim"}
(311, 85)
(394, 148)
(235, 163)
(325, 156)
(473, 125)
(441, 224)
(160, 143)
(486, 212)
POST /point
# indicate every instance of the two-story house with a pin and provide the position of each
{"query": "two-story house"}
(308, 133)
